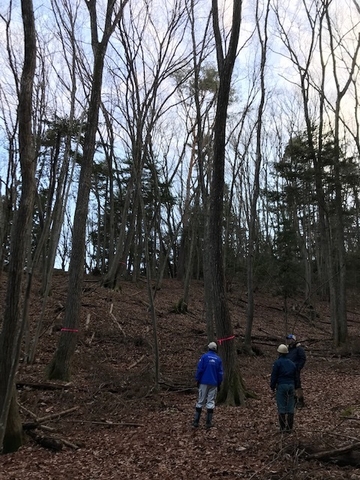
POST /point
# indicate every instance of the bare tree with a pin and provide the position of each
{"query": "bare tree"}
(68, 132)
(13, 324)
(338, 301)
(315, 74)
(232, 390)
(204, 83)
(10, 125)
(263, 39)
(59, 367)
(142, 102)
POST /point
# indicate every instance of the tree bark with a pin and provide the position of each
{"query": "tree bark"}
(13, 438)
(232, 391)
(13, 324)
(256, 187)
(59, 367)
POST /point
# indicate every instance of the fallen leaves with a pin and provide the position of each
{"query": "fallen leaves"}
(126, 431)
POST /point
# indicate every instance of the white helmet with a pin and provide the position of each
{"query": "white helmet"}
(282, 348)
(212, 346)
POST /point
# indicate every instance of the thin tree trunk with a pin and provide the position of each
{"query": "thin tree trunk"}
(59, 367)
(13, 323)
(256, 189)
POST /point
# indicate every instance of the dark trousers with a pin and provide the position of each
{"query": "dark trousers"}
(285, 398)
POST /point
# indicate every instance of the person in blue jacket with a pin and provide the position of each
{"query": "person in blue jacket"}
(298, 356)
(283, 381)
(209, 375)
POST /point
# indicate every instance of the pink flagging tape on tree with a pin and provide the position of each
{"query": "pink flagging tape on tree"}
(221, 340)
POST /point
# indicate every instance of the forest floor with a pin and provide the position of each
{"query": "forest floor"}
(113, 425)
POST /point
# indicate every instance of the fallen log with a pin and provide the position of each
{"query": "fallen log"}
(46, 442)
(52, 443)
(347, 455)
(42, 386)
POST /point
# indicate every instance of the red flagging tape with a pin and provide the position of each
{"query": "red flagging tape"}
(221, 340)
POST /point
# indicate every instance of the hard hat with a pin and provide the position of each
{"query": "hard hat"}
(282, 348)
(291, 336)
(212, 346)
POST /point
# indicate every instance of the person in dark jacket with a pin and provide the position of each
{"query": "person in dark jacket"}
(283, 381)
(209, 375)
(298, 356)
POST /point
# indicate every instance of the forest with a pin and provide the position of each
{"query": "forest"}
(194, 141)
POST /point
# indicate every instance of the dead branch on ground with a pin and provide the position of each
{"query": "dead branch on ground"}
(109, 423)
(56, 415)
(115, 320)
(343, 456)
(136, 362)
(43, 386)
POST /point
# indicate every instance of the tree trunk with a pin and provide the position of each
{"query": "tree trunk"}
(340, 319)
(13, 323)
(232, 391)
(116, 261)
(59, 367)
(256, 187)
(13, 438)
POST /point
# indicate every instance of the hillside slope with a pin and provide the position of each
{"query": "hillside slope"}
(116, 427)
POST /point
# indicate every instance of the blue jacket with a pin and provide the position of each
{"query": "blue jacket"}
(283, 372)
(297, 355)
(209, 369)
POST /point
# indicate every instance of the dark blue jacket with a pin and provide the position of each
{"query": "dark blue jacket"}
(297, 355)
(209, 369)
(283, 372)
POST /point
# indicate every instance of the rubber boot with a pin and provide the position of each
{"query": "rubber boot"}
(282, 421)
(209, 418)
(290, 422)
(197, 417)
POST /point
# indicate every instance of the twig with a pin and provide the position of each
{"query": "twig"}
(136, 363)
(46, 428)
(89, 341)
(136, 293)
(110, 424)
(27, 427)
(87, 323)
(115, 320)
(56, 415)
(69, 444)
(27, 411)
